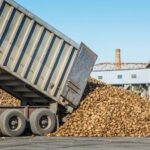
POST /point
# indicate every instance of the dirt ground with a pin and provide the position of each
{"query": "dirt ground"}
(61, 143)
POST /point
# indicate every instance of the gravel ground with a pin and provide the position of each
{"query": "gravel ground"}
(60, 143)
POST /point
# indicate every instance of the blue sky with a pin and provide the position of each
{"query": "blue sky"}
(103, 25)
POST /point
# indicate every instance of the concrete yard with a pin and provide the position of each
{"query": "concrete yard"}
(70, 143)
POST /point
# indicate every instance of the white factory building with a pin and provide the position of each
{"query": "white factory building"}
(132, 76)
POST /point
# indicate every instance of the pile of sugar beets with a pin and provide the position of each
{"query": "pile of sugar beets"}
(108, 111)
(7, 99)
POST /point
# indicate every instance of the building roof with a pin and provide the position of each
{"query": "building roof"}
(111, 66)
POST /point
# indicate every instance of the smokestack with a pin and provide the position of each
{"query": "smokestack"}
(118, 60)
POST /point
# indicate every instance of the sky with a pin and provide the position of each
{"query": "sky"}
(103, 25)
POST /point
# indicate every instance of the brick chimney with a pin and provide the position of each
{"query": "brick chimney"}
(118, 60)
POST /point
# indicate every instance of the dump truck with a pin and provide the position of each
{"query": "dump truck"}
(43, 68)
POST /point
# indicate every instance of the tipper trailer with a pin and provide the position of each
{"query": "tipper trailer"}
(42, 67)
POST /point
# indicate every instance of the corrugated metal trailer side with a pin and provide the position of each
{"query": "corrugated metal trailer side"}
(42, 57)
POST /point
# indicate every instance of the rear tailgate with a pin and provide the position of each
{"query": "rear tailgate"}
(78, 76)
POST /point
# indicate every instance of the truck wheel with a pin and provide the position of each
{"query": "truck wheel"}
(12, 123)
(42, 121)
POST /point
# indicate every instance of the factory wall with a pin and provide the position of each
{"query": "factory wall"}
(120, 77)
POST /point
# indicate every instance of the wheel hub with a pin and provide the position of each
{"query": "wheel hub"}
(43, 122)
(13, 123)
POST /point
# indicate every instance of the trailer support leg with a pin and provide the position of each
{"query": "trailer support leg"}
(26, 112)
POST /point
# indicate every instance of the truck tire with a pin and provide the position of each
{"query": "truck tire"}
(42, 121)
(12, 123)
